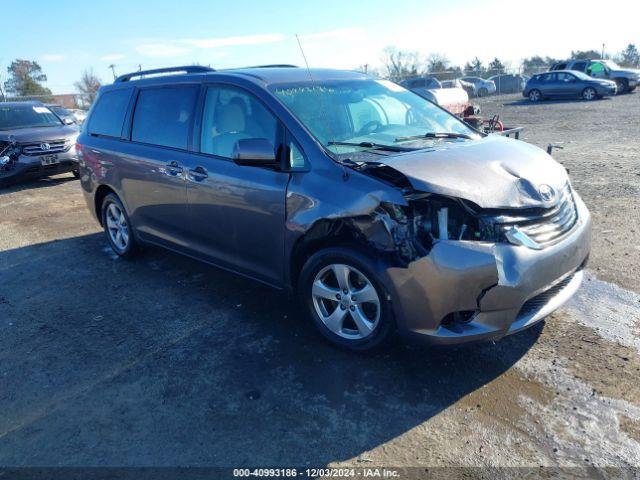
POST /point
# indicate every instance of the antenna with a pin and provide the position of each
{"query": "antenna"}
(315, 88)
(304, 57)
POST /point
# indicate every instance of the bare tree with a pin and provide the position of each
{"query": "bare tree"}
(399, 64)
(88, 86)
(437, 63)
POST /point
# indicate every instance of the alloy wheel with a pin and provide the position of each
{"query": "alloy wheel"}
(346, 301)
(589, 94)
(534, 95)
(117, 227)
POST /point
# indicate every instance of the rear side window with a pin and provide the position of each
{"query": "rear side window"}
(107, 117)
(579, 66)
(163, 116)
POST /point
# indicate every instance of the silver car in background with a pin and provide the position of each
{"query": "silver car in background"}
(483, 87)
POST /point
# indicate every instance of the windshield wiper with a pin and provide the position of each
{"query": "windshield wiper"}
(435, 135)
(372, 145)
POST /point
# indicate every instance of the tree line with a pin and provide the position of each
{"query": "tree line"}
(400, 64)
(26, 78)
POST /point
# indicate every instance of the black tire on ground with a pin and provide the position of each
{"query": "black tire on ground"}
(483, 92)
(622, 85)
(132, 247)
(76, 173)
(385, 327)
(535, 95)
(589, 94)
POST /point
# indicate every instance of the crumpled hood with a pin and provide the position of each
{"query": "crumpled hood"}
(493, 172)
(38, 134)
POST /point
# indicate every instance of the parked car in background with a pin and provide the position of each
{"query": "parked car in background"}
(483, 87)
(34, 142)
(79, 115)
(468, 87)
(627, 79)
(567, 84)
(382, 211)
(418, 84)
(509, 83)
(66, 115)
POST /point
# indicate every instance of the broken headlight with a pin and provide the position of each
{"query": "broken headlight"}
(443, 218)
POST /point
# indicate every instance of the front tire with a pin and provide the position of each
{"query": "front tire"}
(535, 95)
(483, 92)
(622, 86)
(589, 94)
(117, 227)
(340, 290)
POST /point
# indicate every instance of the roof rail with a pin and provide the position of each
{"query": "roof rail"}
(275, 65)
(186, 69)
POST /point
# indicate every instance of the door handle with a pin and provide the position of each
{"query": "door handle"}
(173, 169)
(198, 174)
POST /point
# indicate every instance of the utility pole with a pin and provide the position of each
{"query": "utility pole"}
(602, 51)
(113, 70)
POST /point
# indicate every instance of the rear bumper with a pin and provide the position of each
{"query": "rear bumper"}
(27, 167)
(503, 288)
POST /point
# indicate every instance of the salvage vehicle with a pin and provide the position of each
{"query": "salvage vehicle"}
(483, 87)
(626, 79)
(468, 87)
(567, 84)
(34, 142)
(382, 211)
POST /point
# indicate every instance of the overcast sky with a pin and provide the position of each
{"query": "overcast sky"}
(66, 37)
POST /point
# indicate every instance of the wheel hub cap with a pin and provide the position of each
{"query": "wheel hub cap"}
(117, 227)
(346, 301)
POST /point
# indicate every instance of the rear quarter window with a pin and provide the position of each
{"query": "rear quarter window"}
(108, 115)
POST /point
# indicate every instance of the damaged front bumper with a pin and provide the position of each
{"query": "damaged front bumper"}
(24, 167)
(468, 291)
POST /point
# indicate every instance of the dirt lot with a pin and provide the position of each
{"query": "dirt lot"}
(162, 361)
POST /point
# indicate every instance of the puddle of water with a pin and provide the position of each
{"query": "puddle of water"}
(610, 310)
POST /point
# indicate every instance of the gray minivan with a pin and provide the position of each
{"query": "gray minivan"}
(384, 212)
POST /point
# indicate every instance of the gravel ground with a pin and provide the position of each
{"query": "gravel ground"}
(163, 361)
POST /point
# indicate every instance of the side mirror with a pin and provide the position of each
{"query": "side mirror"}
(254, 152)
(67, 121)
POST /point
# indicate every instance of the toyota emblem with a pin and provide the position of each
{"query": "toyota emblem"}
(546, 192)
(45, 146)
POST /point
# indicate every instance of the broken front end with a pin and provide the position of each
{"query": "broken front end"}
(464, 273)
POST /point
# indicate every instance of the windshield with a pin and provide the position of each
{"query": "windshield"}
(611, 64)
(366, 112)
(581, 75)
(25, 116)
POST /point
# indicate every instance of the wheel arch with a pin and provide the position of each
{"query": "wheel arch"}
(98, 198)
(362, 233)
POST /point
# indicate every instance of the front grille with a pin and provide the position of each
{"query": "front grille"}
(534, 304)
(40, 148)
(546, 226)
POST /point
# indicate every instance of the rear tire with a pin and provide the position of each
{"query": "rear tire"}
(76, 173)
(117, 227)
(535, 95)
(589, 94)
(340, 290)
(483, 92)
